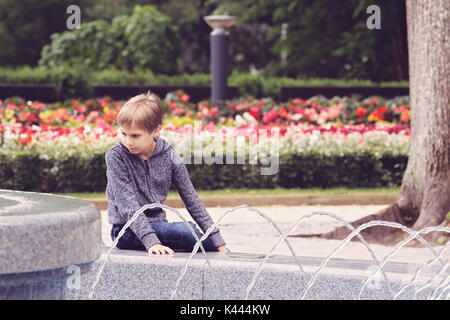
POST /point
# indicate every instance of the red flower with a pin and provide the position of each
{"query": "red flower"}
(283, 113)
(31, 117)
(382, 110)
(81, 109)
(185, 98)
(375, 116)
(105, 101)
(361, 112)
(269, 116)
(404, 116)
(213, 111)
(37, 106)
(254, 111)
(23, 116)
(298, 110)
(178, 111)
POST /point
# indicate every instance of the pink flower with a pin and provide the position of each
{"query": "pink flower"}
(210, 126)
(185, 98)
(269, 116)
(178, 111)
(213, 111)
(254, 111)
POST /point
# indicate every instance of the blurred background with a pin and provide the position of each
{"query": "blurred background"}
(306, 67)
(282, 38)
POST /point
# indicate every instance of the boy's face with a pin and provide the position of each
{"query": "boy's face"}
(139, 141)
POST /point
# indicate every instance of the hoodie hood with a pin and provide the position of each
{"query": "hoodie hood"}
(161, 147)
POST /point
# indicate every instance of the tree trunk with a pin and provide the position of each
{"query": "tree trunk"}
(425, 191)
(426, 184)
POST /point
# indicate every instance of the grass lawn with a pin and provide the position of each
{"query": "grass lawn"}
(260, 192)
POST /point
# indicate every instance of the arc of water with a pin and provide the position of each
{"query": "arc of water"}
(418, 270)
(104, 246)
(255, 276)
(444, 290)
(429, 282)
(434, 294)
(411, 237)
(357, 231)
(217, 223)
(279, 233)
(129, 222)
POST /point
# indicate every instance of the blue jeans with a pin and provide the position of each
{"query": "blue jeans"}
(174, 235)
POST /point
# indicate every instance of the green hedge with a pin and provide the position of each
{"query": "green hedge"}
(25, 170)
(77, 83)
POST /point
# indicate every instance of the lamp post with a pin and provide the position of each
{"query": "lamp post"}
(219, 55)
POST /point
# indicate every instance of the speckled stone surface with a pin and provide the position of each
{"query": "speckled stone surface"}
(41, 232)
(135, 275)
(50, 248)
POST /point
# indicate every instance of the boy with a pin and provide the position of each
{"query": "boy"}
(140, 170)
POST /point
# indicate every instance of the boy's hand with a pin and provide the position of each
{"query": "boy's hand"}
(222, 249)
(160, 249)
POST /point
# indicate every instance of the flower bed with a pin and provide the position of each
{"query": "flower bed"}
(61, 147)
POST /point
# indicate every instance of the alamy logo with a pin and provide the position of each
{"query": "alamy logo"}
(74, 20)
(74, 280)
(374, 20)
(375, 277)
(231, 148)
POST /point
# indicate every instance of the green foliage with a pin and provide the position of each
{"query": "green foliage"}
(327, 38)
(81, 78)
(72, 83)
(83, 169)
(152, 40)
(65, 169)
(26, 26)
(442, 240)
(146, 39)
(25, 74)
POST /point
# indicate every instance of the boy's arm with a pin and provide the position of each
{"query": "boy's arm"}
(125, 193)
(195, 206)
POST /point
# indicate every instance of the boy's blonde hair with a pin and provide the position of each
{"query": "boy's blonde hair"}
(143, 110)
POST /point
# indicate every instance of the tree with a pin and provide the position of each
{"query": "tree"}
(327, 38)
(25, 27)
(425, 193)
(146, 39)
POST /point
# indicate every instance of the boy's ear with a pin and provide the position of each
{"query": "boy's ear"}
(157, 130)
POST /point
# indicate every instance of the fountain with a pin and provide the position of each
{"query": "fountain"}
(51, 249)
(46, 242)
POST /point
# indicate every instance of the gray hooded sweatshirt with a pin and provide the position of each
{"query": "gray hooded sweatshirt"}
(134, 182)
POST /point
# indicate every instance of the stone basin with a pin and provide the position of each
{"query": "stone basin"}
(43, 233)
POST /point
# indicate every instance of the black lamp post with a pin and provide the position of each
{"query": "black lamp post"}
(219, 55)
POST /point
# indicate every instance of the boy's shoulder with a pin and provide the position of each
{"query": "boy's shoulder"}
(116, 153)
(116, 148)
